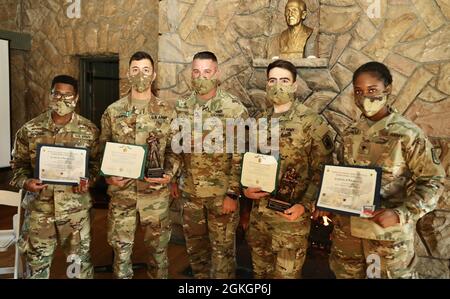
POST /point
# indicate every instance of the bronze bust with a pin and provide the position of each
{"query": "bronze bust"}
(292, 41)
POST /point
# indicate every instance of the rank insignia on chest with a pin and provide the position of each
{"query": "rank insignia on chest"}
(327, 142)
(182, 104)
(364, 148)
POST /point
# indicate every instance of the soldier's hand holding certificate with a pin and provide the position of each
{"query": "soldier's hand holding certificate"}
(61, 165)
(259, 170)
(124, 160)
(352, 190)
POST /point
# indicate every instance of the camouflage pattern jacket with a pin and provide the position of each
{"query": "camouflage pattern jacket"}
(412, 173)
(79, 132)
(123, 123)
(210, 174)
(305, 145)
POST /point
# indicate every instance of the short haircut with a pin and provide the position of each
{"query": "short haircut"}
(206, 55)
(299, 2)
(141, 55)
(66, 79)
(283, 64)
(378, 69)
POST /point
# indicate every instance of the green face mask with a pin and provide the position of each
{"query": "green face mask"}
(280, 94)
(140, 82)
(203, 86)
(62, 107)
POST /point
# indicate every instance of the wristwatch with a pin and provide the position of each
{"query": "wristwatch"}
(233, 196)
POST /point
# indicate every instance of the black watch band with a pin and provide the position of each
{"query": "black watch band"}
(233, 196)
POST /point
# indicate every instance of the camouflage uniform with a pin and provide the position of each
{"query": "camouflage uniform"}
(205, 180)
(411, 185)
(122, 122)
(278, 245)
(56, 214)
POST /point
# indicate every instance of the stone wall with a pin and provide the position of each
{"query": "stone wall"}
(105, 27)
(10, 12)
(411, 36)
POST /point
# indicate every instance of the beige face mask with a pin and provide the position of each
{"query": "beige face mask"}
(372, 105)
(203, 86)
(280, 94)
(140, 82)
(62, 107)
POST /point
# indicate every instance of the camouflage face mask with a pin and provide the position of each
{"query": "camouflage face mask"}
(280, 94)
(372, 105)
(62, 107)
(203, 86)
(140, 82)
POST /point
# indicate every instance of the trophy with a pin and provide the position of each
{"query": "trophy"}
(286, 191)
(154, 169)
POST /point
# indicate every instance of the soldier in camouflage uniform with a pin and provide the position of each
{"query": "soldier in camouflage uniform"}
(133, 120)
(55, 213)
(411, 182)
(278, 240)
(209, 182)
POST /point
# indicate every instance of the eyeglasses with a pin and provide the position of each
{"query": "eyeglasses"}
(64, 96)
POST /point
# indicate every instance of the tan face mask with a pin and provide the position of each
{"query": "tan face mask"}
(372, 105)
(280, 94)
(140, 82)
(62, 107)
(203, 86)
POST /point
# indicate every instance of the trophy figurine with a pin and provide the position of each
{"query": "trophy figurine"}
(154, 169)
(286, 191)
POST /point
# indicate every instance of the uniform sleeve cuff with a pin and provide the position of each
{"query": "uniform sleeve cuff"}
(403, 215)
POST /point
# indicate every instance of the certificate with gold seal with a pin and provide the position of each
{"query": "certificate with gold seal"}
(61, 165)
(124, 160)
(349, 189)
(259, 170)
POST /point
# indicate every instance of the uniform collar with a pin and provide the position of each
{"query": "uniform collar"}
(379, 125)
(72, 124)
(210, 105)
(296, 109)
(152, 107)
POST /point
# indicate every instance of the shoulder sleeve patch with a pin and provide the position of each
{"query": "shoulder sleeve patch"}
(435, 156)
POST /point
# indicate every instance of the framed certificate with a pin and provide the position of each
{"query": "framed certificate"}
(61, 165)
(124, 160)
(259, 170)
(350, 190)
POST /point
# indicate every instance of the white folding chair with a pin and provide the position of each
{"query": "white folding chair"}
(11, 236)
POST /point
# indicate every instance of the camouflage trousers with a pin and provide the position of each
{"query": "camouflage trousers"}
(278, 246)
(152, 212)
(210, 236)
(39, 237)
(350, 256)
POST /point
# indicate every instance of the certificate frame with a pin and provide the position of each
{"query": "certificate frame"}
(143, 165)
(351, 212)
(38, 165)
(274, 192)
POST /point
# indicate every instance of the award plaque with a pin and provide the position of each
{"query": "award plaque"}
(61, 165)
(259, 170)
(154, 169)
(124, 160)
(350, 190)
(284, 197)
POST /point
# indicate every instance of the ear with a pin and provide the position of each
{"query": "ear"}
(304, 14)
(154, 76)
(295, 85)
(388, 89)
(218, 74)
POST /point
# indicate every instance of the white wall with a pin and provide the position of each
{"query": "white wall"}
(5, 130)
